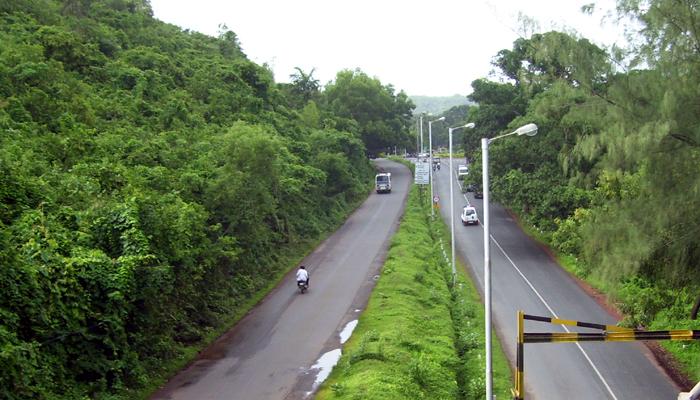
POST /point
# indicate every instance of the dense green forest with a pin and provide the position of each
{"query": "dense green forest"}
(612, 180)
(151, 181)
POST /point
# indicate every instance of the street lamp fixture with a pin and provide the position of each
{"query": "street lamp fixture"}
(528, 130)
(452, 200)
(430, 149)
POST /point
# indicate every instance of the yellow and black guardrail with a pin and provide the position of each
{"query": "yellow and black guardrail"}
(610, 333)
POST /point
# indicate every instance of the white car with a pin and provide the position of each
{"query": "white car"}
(462, 170)
(469, 216)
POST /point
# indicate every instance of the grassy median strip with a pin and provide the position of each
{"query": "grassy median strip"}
(417, 339)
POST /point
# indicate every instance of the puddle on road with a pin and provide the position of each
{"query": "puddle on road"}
(347, 331)
(324, 365)
(328, 360)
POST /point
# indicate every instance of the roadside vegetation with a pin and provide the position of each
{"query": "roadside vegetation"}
(154, 183)
(612, 180)
(419, 338)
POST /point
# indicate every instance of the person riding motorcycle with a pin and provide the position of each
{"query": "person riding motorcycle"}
(303, 275)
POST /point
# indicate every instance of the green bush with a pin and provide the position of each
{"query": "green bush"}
(153, 183)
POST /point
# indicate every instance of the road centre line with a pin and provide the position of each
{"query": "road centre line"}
(460, 189)
(532, 287)
(590, 362)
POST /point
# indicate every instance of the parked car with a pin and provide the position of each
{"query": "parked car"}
(469, 187)
(469, 216)
(478, 194)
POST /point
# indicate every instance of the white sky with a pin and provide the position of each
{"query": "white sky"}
(434, 48)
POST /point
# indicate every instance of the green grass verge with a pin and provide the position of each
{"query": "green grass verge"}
(468, 316)
(418, 338)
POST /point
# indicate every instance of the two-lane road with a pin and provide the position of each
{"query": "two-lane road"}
(269, 353)
(525, 277)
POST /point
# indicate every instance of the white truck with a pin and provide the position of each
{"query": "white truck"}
(382, 182)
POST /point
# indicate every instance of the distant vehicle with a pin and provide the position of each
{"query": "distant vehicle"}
(470, 187)
(436, 160)
(469, 216)
(382, 182)
(478, 194)
(462, 170)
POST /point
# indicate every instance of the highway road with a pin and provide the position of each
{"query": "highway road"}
(525, 277)
(279, 350)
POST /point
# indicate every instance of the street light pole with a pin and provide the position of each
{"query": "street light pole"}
(452, 200)
(430, 150)
(417, 139)
(529, 130)
(421, 136)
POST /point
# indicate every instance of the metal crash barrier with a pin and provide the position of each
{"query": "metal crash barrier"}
(610, 333)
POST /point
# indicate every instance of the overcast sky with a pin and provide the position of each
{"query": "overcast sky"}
(434, 48)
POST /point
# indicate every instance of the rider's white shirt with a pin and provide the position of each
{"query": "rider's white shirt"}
(302, 275)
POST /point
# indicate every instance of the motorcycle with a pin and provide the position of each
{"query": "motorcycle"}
(303, 286)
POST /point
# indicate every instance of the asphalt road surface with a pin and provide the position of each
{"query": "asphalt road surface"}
(524, 277)
(270, 353)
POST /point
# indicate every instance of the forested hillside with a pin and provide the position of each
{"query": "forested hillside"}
(437, 104)
(151, 180)
(612, 180)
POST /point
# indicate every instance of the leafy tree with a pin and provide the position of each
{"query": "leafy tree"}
(151, 181)
(304, 86)
(498, 105)
(310, 115)
(228, 43)
(612, 142)
(382, 117)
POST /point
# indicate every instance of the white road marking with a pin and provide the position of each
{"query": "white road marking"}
(460, 188)
(590, 362)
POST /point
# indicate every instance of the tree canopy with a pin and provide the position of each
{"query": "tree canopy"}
(382, 117)
(151, 181)
(618, 140)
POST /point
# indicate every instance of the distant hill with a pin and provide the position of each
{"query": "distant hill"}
(437, 105)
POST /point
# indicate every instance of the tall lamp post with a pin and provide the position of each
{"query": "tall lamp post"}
(421, 135)
(417, 139)
(430, 145)
(452, 199)
(529, 130)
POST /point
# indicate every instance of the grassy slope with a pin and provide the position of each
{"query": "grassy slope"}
(407, 344)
